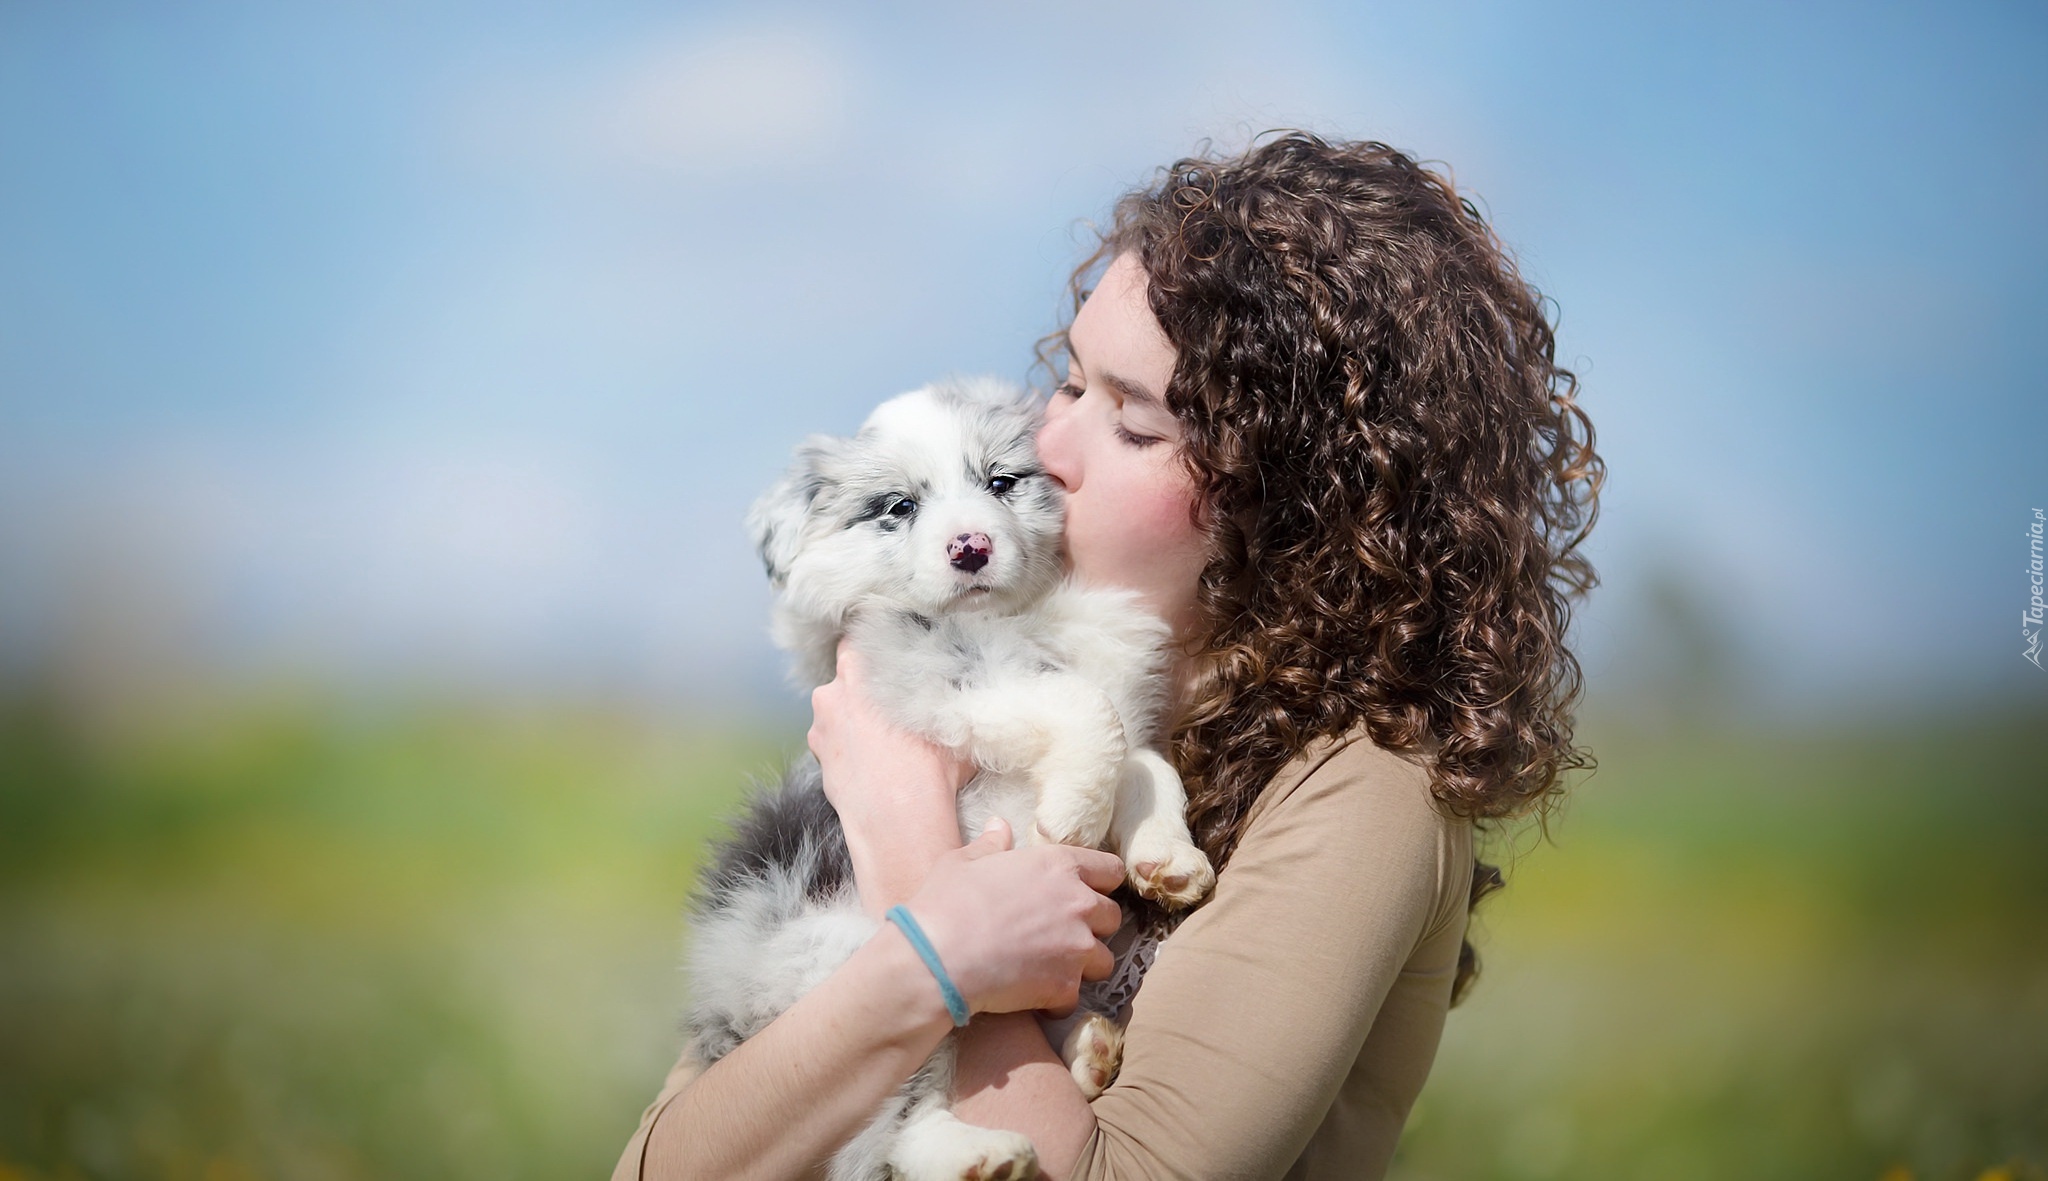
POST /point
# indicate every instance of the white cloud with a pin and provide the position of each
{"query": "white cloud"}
(700, 104)
(754, 98)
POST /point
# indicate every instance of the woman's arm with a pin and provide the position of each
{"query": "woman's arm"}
(783, 1100)
(1008, 1076)
(1016, 929)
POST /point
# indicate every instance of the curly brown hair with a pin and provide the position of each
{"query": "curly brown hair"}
(1391, 465)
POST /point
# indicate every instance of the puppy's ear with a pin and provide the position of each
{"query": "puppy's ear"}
(777, 519)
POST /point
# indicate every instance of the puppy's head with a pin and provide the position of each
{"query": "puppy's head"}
(938, 504)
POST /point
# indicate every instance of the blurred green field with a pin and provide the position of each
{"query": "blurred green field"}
(1755, 956)
(309, 941)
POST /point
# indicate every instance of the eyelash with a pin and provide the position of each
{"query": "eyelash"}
(1070, 390)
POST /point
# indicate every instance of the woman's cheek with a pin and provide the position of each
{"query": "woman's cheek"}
(1149, 536)
(1167, 503)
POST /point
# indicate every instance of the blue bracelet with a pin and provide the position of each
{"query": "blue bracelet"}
(955, 1003)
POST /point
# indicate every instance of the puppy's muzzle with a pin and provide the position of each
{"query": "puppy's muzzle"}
(969, 552)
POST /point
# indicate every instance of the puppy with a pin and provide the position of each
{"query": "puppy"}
(930, 541)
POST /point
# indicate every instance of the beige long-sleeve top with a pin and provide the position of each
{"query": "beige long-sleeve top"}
(1287, 1026)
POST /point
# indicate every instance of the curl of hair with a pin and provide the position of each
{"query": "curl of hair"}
(1392, 467)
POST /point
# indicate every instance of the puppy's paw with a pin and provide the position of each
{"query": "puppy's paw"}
(1171, 872)
(1015, 1162)
(1093, 1051)
(949, 1150)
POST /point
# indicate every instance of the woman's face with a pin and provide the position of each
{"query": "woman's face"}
(1110, 442)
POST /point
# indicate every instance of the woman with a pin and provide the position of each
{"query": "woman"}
(1312, 414)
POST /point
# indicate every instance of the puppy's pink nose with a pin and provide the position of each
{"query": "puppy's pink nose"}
(969, 552)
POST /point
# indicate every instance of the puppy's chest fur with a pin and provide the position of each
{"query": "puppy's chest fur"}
(1050, 698)
(964, 651)
(1074, 639)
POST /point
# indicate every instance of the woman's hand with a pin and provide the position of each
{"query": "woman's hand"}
(874, 771)
(1020, 928)
(895, 793)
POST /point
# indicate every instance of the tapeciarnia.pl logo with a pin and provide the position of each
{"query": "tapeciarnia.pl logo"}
(2030, 619)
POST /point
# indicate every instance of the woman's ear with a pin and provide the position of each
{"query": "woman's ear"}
(777, 519)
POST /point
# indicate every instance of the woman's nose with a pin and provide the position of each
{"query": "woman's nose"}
(1053, 457)
(1054, 447)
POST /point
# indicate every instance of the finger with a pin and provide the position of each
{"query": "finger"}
(1103, 872)
(1105, 916)
(1058, 1011)
(1099, 964)
(849, 661)
(994, 838)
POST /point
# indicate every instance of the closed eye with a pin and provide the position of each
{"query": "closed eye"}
(1071, 389)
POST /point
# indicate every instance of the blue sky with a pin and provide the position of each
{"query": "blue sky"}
(441, 343)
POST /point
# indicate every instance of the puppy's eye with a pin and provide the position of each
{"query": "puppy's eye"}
(1001, 485)
(903, 508)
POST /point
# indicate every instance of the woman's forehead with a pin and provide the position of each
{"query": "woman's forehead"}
(1115, 329)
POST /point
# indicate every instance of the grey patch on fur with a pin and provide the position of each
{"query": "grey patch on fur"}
(785, 857)
(791, 824)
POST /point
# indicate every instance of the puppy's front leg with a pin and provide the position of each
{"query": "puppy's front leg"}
(1077, 778)
(1061, 733)
(1150, 832)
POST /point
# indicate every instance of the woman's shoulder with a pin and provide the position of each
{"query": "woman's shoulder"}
(1352, 776)
(1349, 801)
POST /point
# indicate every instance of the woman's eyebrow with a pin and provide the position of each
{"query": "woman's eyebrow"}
(1128, 390)
(1131, 391)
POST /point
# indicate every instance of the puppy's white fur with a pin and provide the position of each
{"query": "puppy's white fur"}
(930, 540)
